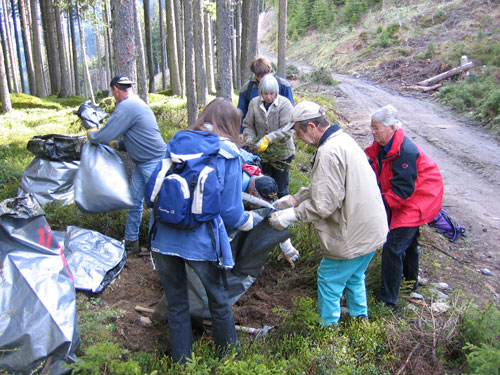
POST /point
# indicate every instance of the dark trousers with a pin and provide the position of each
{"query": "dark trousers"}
(399, 258)
(281, 175)
(172, 272)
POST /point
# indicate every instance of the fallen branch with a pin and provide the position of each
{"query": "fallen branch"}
(445, 253)
(449, 73)
(408, 359)
(422, 88)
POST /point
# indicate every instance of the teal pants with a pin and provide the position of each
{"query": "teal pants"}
(336, 275)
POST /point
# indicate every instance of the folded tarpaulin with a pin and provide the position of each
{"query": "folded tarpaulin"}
(94, 259)
(38, 321)
(49, 180)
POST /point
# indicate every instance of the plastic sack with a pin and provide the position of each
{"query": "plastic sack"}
(91, 115)
(93, 259)
(49, 180)
(250, 251)
(38, 321)
(101, 183)
(57, 147)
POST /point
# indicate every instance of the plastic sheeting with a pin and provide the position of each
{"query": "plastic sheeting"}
(93, 258)
(250, 252)
(38, 321)
(91, 115)
(49, 180)
(57, 146)
(101, 183)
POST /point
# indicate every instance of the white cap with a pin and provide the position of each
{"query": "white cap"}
(305, 110)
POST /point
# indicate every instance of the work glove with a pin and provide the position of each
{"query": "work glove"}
(284, 202)
(248, 225)
(290, 253)
(263, 144)
(115, 144)
(280, 220)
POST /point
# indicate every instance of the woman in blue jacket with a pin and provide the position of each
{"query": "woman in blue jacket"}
(208, 254)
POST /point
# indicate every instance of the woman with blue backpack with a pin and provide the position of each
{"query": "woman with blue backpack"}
(200, 241)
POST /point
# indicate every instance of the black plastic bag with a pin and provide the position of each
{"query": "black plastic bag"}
(91, 115)
(57, 147)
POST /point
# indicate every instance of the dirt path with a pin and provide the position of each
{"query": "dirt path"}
(469, 159)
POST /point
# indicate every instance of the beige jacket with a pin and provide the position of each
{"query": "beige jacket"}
(259, 123)
(343, 201)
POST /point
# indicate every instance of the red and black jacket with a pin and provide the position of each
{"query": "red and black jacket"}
(410, 182)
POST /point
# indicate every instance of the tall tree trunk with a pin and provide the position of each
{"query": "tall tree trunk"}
(4, 89)
(199, 54)
(283, 14)
(224, 82)
(102, 85)
(209, 53)
(27, 47)
(18, 45)
(163, 47)
(122, 17)
(254, 30)
(11, 56)
(63, 61)
(40, 90)
(5, 53)
(234, 62)
(76, 73)
(86, 74)
(189, 47)
(149, 45)
(245, 40)
(237, 67)
(50, 39)
(109, 45)
(179, 22)
(142, 86)
(173, 61)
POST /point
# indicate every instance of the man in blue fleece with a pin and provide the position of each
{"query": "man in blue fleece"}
(135, 124)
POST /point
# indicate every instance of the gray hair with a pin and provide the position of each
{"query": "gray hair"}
(387, 115)
(267, 84)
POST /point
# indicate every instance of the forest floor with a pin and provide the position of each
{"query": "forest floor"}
(469, 159)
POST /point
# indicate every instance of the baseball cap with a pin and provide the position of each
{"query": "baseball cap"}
(122, 80)
(266, 187)
(305, 110)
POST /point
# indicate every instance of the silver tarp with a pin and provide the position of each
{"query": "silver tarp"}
(49, 180)
(93, 258)
(38, 321)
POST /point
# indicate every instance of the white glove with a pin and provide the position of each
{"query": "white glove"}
(283, 202)
(290, 253)
(280, 220)
(248, 225)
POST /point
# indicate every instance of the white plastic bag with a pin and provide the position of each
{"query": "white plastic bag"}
(101, 183)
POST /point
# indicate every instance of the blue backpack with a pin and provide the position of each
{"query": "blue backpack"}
(184, 189)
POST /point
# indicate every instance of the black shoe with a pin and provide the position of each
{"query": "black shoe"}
(132, 247)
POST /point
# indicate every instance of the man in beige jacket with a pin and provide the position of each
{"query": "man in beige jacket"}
(344, 204)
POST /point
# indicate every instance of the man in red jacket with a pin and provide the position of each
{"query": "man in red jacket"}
(412, 190)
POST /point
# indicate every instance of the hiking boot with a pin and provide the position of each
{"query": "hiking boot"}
(132, 247)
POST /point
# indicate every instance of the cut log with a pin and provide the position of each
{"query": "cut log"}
(449, 73)
(422, 88)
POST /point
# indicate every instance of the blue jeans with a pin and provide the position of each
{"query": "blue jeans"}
(140, 177)
(336, 275)
(172, 272)
(399, 258)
